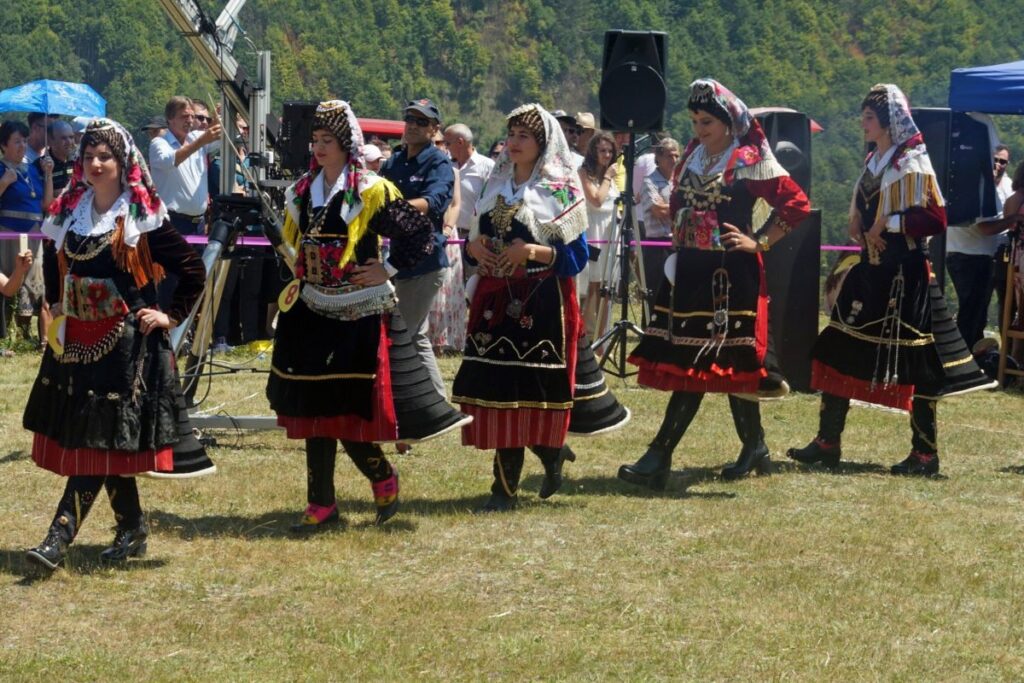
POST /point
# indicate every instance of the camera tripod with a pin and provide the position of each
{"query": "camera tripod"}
(623, 235)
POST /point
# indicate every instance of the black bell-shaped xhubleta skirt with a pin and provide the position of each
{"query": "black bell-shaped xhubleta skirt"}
(595, 410)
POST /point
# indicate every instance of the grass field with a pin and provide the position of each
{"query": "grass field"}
(806, 575)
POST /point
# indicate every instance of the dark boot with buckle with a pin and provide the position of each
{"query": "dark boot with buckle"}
(79, 495)
(371, 461)
(825, 448)
(654, 467)
(508, 466)
(552, 459)
(321, 508)
(131, 533)
(754, 455)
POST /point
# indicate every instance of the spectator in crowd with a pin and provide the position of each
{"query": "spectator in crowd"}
(495, 151)
(597, 177)
(62, 150)
(1004, 188)
(26, 189)
(970, 251)
(37, 123)
(78, 124)
(9, 286)
(654, 210)
(572, 133)
(372, 158)
(587, 126)
(424, 175)
(446, 321)
(473, 167)
(155, 127)
(644, 165)
(179, 168)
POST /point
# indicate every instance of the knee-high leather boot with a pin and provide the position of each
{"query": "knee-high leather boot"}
(552, 459)
(653, 467)
(132, 533)
(508, 466)
(746, 416)
(923, 460)
(79, 495)
(825, 448)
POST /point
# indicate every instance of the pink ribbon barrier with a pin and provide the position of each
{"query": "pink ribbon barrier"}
(251, 241)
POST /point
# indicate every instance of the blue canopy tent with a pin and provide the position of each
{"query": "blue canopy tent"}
(54, 97)
(994, 89)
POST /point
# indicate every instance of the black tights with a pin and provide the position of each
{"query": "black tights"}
(80, 494)
(321, 453)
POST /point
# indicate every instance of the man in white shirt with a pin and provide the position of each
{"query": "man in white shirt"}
(474, 169)
(969, 259)
(177, 162)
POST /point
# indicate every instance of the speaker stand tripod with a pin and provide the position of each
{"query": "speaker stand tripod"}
(615, 339)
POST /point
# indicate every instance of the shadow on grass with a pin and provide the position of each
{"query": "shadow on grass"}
(1012, 469)
(81, 560)
(845, 467)
(274, 524)
(679, 484)
(14, 456)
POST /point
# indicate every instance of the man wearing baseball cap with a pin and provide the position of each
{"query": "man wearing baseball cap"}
(587, 127)
(572, 133)
(425, 176)
(155, 127)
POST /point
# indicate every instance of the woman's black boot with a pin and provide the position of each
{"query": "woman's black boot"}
(654, 467)
(552, 459)
(131, 533)
(746, 415)
(79, 495)
(508, 466)
(824, 449)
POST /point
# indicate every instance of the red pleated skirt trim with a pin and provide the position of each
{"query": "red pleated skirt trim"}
(383, 426)
(50, 455)
(826, 378)
(669, 377)
(514, 428)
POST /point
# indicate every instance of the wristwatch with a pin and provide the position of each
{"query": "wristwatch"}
(762, 242)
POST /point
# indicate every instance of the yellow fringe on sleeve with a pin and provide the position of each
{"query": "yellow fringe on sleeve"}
(913, 189)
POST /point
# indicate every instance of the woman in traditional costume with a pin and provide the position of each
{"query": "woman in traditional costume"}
(343, 366)
(518, 370)
(709, 327)
(106, 405)
(891, 340)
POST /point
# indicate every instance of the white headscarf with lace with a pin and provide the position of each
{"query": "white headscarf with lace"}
(553, 207)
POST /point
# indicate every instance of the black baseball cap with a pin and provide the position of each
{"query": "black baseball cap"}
(426, 107)
(155, 123)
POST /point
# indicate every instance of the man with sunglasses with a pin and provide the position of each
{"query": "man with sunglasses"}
(969, 258)
(424, 174)
(178, 164)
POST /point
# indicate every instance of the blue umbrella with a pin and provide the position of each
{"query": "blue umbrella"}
(54, 97)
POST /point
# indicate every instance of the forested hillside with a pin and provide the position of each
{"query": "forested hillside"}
(479, 58)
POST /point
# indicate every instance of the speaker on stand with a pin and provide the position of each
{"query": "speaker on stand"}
(632, 97)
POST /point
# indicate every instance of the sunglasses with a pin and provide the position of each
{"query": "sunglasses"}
(204, 119)
(420, 121)
(1001, 162)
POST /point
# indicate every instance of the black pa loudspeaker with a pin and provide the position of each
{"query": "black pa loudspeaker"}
(294, 138)
(961, 155)
(789, 135)
(792, 273)
(633, 93)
